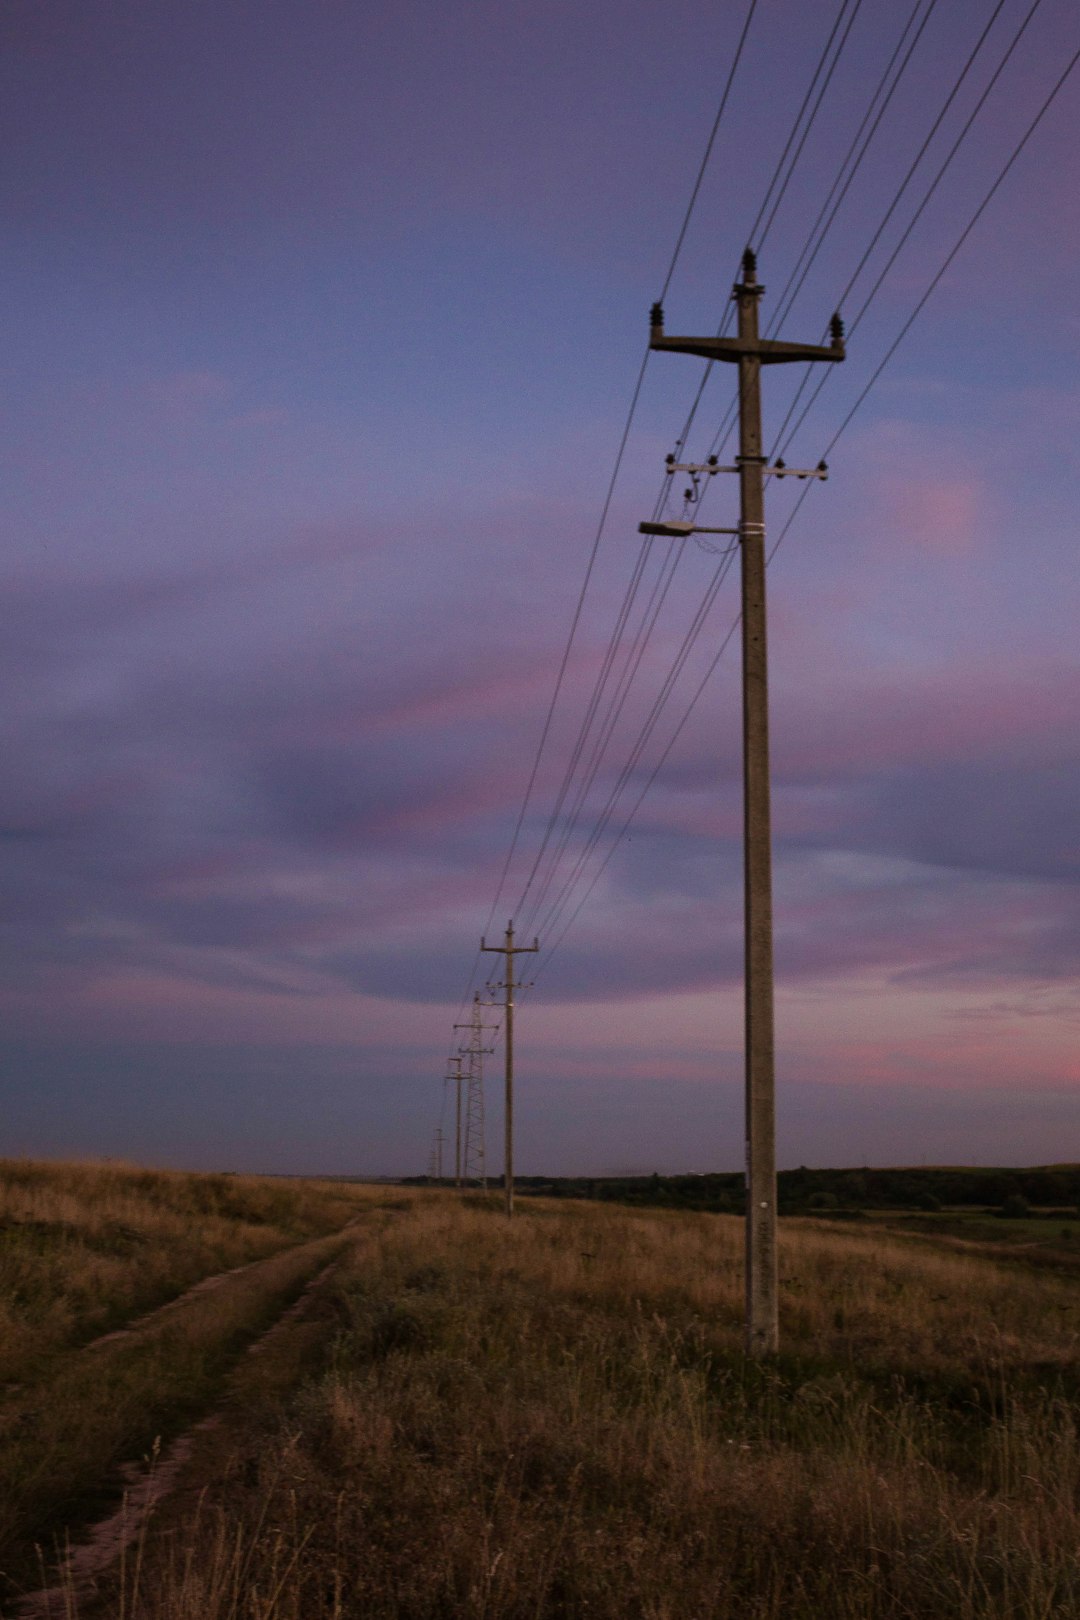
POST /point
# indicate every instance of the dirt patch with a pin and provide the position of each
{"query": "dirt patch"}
(145, 1486)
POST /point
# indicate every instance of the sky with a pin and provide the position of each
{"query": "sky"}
(323, 324)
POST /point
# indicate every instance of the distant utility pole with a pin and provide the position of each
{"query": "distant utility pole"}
(750, 352)
(474, 1162)
(509, 950)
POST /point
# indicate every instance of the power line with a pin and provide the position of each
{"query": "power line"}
(823, 67)
(669, 745)
(752, 233)
(961, 239)
(614, 711)
(575, 621)
(802, 270)
(846, 422)
(708, 150)
(927, 196)
(590, 565)
(563, 897)
(759, 242)
(659, 703)
(610, 655)
(840, 173)
(774, 180)
(784, 308)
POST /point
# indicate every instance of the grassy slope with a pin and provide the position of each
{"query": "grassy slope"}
(556, 1420)
(85, 1247)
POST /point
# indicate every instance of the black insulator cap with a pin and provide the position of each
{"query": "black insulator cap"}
(749, 265)
(656, 315)
(836, 328)
(780, 463)
(713, 460)
(670, 458)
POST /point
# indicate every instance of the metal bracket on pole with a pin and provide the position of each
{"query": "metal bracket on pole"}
(780, 470)
(766, 351)
(678, 529)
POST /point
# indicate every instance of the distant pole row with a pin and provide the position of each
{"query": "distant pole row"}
(508, 985)
(466, 1071)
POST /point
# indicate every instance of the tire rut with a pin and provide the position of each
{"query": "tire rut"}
(147, 1484)
(205, 1285)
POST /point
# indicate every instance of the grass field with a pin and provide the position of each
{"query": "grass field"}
(84, 1247)
(554, 1419)
(90, 1378)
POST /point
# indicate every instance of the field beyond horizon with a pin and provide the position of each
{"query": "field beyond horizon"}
(388, 1402)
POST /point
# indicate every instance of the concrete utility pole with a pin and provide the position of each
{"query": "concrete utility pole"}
(474, 1156)
(750, 352)
(509, 950)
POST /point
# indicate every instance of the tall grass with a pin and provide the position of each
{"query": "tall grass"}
(62, 1444)
(84, 1247)
(555, 1419)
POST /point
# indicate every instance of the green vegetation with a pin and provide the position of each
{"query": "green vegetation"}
(803, 1191)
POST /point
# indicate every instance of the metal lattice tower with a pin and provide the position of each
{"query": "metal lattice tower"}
(474, 1161)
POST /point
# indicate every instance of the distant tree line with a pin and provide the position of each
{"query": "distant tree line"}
(803, 1191)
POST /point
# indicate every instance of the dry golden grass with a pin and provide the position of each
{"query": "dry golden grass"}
(61, 1442)
(555, 1420)
(86, 1248)
(83, 1247)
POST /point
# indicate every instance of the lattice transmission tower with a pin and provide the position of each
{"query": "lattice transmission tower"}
(474, 1163)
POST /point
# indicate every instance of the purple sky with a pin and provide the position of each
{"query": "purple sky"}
(324, 320)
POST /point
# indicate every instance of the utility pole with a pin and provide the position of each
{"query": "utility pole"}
(474, 1156)
(509, 950)
(750, 352)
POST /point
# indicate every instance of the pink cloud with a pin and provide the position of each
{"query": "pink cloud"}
(869, 721)
(939, 514)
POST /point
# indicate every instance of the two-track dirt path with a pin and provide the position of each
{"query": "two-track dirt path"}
(273, 1358)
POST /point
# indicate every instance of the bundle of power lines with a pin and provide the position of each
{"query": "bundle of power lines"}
(581, 831)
